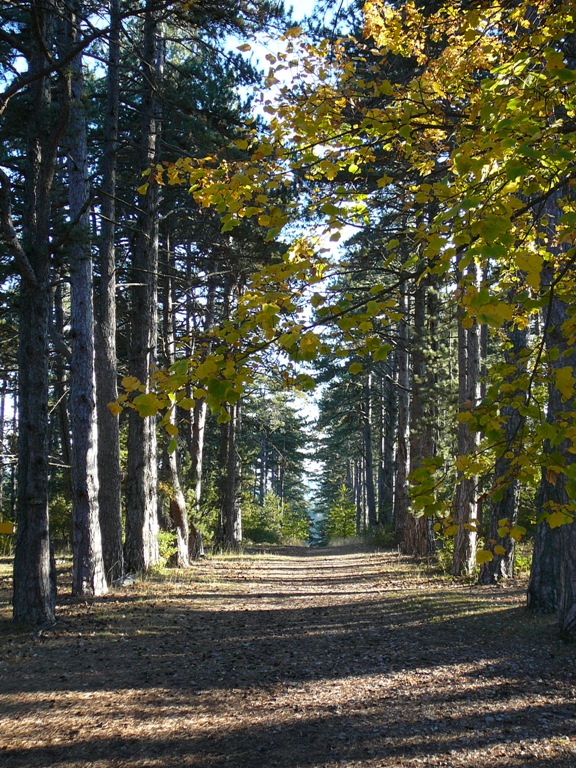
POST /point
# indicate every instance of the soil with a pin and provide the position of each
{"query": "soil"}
(298, 659)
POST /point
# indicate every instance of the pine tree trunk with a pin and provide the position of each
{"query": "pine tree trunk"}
(372, 518)
(230, 533)
(401, 496)
(466, 497)
(506, 508)
(178, 511)
(198, 432)
(388, 440)
(552, 585)
(418, 540)
(34, 568)
(141, 545)
(88, 577)
(109, 495)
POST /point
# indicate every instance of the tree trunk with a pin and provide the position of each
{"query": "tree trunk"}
(372, 517)
(466, 497)
(109, 495)
(88, 566)
(387, 440)
(141, 546)
(230, 533)
(178, 511)
(552, 583)
(198, 432)
(418, 540)
(401, 496)
(34, 569)
(506, 507)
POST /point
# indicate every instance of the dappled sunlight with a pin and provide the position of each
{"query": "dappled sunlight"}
(253, 672)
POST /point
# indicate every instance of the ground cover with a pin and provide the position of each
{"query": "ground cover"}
(297, 659)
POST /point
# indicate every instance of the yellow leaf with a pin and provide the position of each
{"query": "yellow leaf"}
(115, 408)
(244, 47)
(484, 556)
(172, 429)
(452, 530)
(143, 189)
(130, 383)
(558, 518)
(517, 532)
(565, 382)
(355, 368)
(499, 550)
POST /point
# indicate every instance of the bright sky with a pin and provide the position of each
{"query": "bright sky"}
(300, 8)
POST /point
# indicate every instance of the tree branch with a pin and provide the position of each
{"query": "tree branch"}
(8, 233)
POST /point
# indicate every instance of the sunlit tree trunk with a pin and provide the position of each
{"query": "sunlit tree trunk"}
(466, 496)
(141, 545)
(178, 511)
(387, 442)
(418, 539)
(371, 513)
(401, 496)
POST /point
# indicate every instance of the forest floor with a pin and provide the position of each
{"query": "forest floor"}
(298, 659)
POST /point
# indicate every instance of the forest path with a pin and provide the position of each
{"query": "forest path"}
(300, 659)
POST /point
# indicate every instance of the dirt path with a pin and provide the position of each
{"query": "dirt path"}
(303, 660)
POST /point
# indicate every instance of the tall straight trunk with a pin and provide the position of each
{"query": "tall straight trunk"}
(198, 432)
(417, 538)
(466, 495)
(230, 529)
(178, 511)
(506, 506)
(2, 445)
(387, 442)
(34, 569)
(552, 585)
(109, 494)
(401, 496)
(263, 466)
(60, 391)
(371, 513)
(357, 492)
(87, 566)
(141, 545)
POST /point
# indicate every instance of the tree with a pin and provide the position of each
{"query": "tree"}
(88, 566)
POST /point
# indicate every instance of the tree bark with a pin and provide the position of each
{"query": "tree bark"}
(88, 566)
(178, 511)
(230, 533)
(401, 495)
(34, 569)
(552, 585)
(506, 507)
(109, 494)
(387, 441)
(466, 497)
(372, 517)
(418, 539)
(141, 545)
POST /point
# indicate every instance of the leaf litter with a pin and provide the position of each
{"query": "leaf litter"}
(295, 658)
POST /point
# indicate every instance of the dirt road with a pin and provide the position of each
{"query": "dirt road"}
(308, 659)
